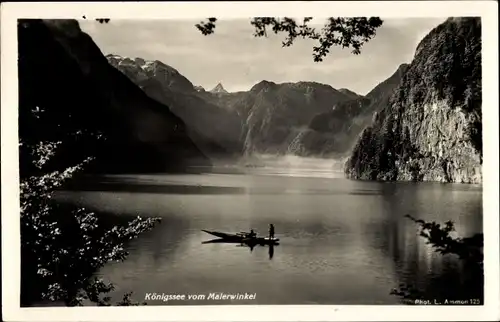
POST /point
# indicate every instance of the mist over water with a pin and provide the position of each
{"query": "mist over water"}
(287, 165)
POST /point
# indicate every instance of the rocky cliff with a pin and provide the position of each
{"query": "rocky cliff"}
(431, 128)
(67, 81)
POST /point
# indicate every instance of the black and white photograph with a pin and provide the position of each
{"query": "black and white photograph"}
(219, 159)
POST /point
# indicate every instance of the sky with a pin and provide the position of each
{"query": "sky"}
(238, 60)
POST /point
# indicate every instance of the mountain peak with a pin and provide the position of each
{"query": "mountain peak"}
(218, 89)
(262, 85)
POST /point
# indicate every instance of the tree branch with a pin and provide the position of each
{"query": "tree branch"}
(345, 32)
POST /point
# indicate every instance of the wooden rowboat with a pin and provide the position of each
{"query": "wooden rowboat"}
(242, 237)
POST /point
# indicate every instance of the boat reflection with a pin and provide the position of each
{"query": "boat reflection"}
(248, 244)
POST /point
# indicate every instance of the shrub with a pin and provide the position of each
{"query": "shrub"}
(63, 246)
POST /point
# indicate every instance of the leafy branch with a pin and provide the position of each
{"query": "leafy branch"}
(469, 250)
(207, 27)
(344, 32)
(62, 246)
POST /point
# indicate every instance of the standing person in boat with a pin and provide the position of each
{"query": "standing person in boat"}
(252, 234)
(271, 231)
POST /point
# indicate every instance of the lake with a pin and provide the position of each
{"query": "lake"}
(341, 241)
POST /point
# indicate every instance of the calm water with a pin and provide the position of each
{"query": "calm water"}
(342, 241)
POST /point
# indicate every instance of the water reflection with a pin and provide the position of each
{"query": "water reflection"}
(250, 245)
(415, 263)
(271, 251)
(342, 242)
(165, 243)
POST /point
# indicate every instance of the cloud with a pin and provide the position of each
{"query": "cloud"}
(239, 60)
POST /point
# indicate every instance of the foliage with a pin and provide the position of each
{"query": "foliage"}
(103, 20)
(62, 247)
(207, 27)
(469, 250)
(345, 32)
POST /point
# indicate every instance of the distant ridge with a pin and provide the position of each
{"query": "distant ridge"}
(273, 118)
(350, 93)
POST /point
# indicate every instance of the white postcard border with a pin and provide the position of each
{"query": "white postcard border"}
(10, 12)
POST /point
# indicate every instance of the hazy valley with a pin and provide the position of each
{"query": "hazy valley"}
(161, 121)
(303, 118)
